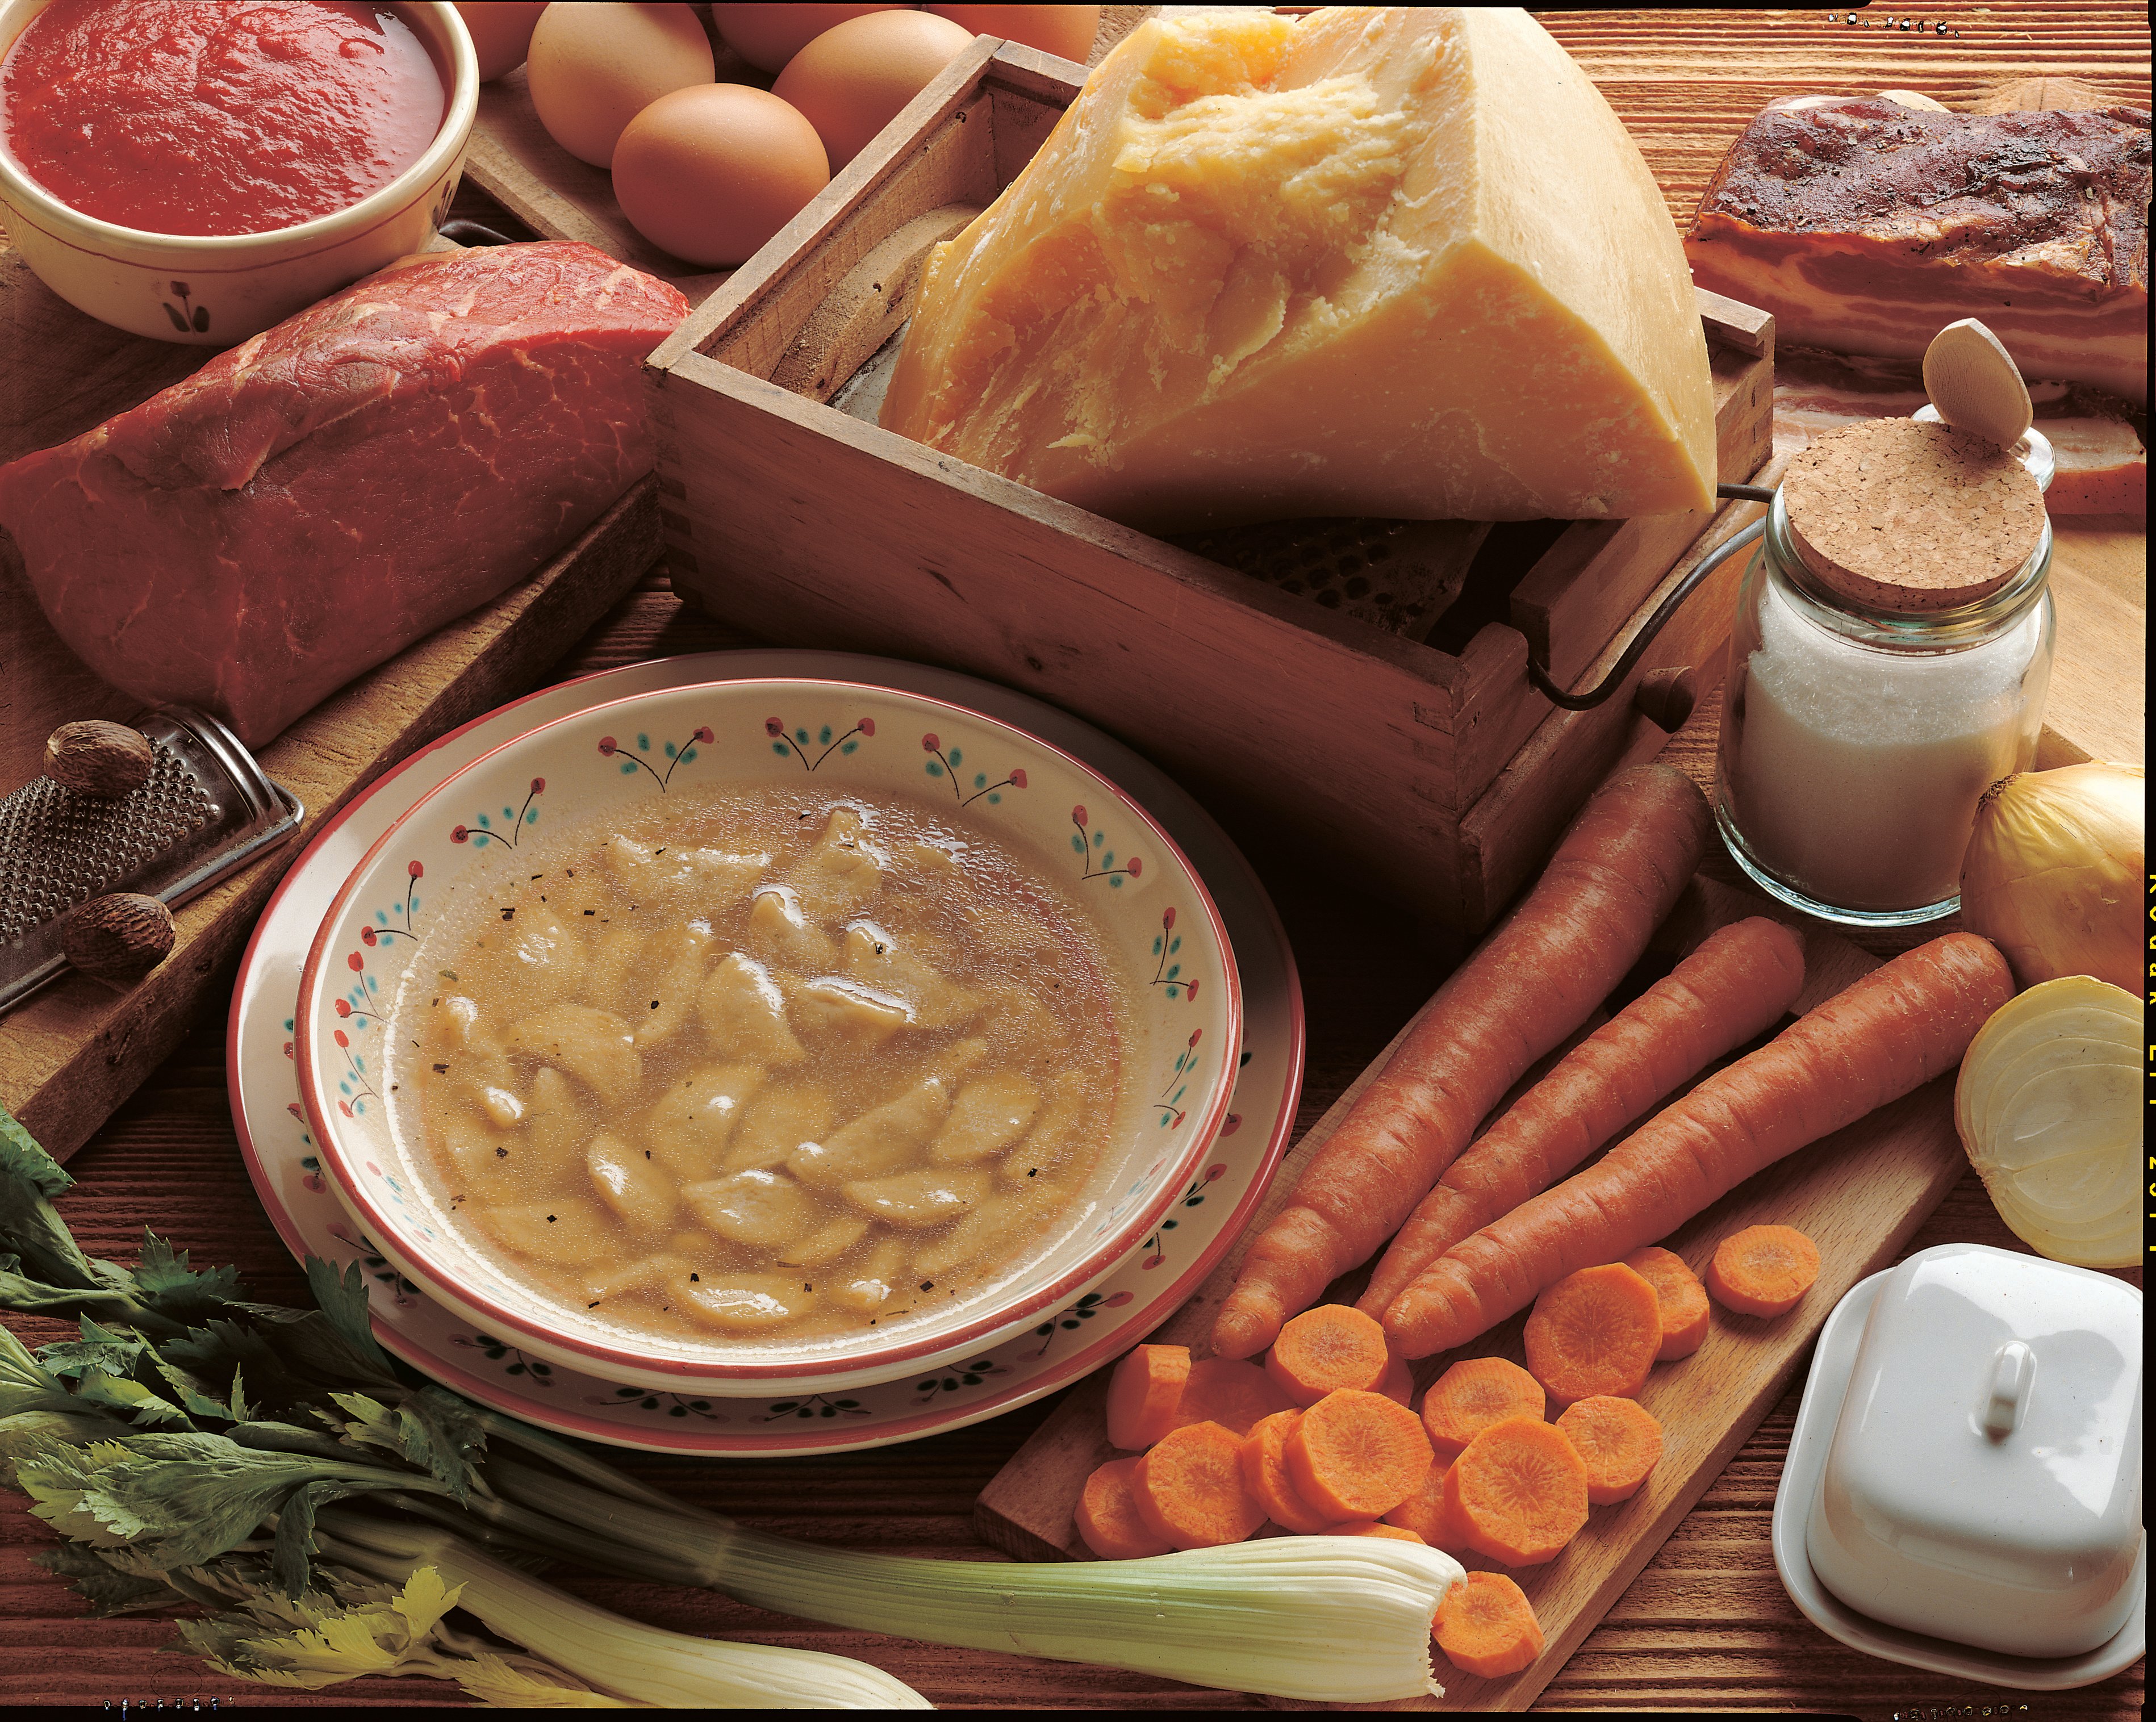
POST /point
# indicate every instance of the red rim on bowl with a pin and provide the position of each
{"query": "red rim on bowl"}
(605, 1358)
(818, 1438)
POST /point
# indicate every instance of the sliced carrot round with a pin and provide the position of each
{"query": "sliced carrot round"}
(1763, 1270)
(1230, 1392)
(1425, 1513)
(1485, 1626)
(1265, 1468)
(1595, 1331)
(1398, 1384)
(1143, 1393)
(1108, 1514)
(1357, 1455)
(1682, 1297)
(1619, 1441)
(1333, 1346)
(1475, 1393)
(1519, 1491)
(1190, 1489)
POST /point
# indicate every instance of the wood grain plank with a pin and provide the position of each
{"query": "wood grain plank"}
(1705, 1627)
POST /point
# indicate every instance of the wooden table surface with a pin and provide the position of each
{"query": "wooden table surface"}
(1706, 1627)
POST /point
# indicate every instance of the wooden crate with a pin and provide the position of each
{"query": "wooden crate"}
(1442, 772)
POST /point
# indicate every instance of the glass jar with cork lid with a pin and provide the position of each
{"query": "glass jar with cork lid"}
(1889, 662)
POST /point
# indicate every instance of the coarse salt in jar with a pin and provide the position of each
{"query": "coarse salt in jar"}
(1891, 651)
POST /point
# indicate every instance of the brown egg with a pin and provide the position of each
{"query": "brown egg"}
(597, 65)
(711, 173)
(766, 37)
(1067, 30)
(500, 32)
(852, 79)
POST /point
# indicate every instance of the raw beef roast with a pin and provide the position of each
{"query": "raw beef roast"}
(1866, 227)
(316, 499)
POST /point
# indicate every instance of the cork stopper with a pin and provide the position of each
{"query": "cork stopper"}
(1895, 514)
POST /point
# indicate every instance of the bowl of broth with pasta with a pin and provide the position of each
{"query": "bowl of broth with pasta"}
(796, 1033)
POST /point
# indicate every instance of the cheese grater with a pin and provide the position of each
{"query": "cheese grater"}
(206, 808)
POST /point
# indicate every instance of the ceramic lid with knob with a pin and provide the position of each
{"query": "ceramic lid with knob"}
(1983, 1482)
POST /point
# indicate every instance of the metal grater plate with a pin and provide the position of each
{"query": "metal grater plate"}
(207, 807)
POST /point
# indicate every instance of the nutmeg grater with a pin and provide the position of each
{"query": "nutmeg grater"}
(208, 806)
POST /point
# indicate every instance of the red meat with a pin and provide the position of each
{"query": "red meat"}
(316, 499)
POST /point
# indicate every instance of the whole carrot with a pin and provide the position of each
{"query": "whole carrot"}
(1739, 982)
(1889, 1033)
(1614, 876)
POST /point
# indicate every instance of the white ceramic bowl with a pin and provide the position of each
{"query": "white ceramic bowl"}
(216, 290)
(1149, 907)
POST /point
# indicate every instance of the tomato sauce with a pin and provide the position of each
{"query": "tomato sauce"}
(206, 116)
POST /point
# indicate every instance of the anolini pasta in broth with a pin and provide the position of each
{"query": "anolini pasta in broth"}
(765, 1065)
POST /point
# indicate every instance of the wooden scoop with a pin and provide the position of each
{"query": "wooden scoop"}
(1975, 384)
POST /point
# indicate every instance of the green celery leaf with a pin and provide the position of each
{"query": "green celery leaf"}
(314, 1347)
(196, 1396)
(290, 1563)
(223, 1343)
(59, 1476)
(32, 1430)
(25, 1295)
(26, 1385)
(181, 1498)
(368, 1422)
(22, 1159)
(241, 1411)
(326, 1638)
(148, 1408)
(442, 1431)
(99, 1348)
(30, 1224)
(111, 1589)
(164, 1281)
(495, 1682)
(341, 1298)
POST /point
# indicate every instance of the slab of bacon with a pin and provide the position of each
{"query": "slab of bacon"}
(1866, 226)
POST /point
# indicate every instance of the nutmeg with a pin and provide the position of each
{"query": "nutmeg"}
(118, 938)
(98, 758)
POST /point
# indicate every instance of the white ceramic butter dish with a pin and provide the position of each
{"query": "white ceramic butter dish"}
(1963, 1491)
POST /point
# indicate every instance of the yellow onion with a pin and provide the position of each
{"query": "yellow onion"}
(2052, 875)
(2048, 1107)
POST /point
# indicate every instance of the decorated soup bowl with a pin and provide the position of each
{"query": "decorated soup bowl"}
(793, 1033)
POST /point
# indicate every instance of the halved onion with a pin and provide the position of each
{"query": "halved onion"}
(2048, 1106)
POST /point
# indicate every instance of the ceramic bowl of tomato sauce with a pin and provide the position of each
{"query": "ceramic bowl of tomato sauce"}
(198, 170)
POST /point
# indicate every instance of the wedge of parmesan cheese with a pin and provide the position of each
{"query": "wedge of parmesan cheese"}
(1401, 262)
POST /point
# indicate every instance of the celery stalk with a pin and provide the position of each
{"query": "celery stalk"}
(645, 1665)
(1344, 1619)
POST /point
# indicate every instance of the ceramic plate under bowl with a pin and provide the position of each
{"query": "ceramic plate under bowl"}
(1802, 1471)
(628, 758)
(1067, 1342)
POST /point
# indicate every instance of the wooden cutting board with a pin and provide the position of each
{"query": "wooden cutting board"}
(75, 1051)
(1860, 1195)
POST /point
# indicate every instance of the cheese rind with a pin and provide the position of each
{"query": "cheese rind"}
(1402, 263)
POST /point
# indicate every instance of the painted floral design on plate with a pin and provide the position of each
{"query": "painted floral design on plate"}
(1090, 1330)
